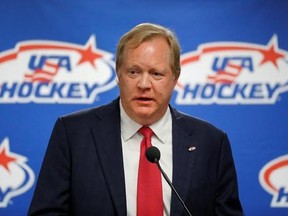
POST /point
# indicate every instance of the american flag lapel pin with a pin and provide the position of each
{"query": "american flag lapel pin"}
(191, 148)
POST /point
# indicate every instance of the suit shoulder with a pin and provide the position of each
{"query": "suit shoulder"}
(195, 123)
(90, 114)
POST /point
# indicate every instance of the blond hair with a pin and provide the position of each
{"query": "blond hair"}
(145, 32)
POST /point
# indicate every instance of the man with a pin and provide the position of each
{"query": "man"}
(92, 166)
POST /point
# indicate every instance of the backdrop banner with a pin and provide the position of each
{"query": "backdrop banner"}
(57, 57)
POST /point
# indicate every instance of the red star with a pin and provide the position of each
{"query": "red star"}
(271, 55)
(88, 55)
(5, 159)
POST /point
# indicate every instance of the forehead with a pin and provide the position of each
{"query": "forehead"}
(156, 49)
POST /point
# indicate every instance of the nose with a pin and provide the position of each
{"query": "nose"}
(144, 81)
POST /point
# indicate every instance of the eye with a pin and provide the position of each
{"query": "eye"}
(132, 73)
(157, 75)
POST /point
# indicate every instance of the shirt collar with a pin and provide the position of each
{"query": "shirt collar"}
(160, 128)
(128, 126)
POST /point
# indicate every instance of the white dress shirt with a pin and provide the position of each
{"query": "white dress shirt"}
(131, 140)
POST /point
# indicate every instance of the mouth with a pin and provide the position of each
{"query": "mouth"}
(143, 99)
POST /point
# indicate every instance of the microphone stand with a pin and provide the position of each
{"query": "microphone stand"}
(174, 190)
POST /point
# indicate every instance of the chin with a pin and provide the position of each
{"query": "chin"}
(146, 118)
(143, 115)
(144, 112)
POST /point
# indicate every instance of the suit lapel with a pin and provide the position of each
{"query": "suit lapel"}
(184, 154)
(107, 138)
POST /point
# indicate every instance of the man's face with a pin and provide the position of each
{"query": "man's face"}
(146, 81)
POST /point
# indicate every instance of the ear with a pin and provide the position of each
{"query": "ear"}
(117, 77)
(175, 81)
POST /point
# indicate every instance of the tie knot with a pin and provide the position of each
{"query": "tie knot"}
(146, 132)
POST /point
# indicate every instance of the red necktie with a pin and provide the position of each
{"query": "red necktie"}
(149, 188)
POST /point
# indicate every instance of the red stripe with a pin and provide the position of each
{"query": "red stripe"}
(269, 171)
(189, 59)
(8, 57)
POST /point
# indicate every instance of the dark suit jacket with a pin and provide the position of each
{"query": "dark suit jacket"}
(82, 172)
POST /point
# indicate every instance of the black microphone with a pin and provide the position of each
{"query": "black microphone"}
(153, 155)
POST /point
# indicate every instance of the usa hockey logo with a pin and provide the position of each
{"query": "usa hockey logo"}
(16, 177)
(273, 178)
(55, 72)
(233, 73)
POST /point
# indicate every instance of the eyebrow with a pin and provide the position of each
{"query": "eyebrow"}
(137, 67)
